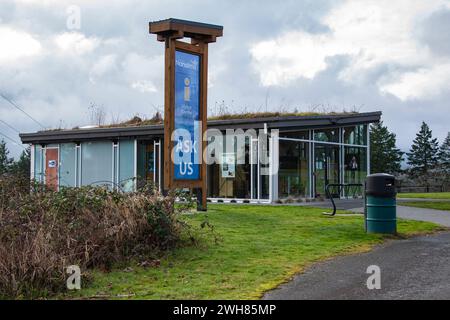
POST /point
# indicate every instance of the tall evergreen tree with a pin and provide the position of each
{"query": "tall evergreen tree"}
(423, 155)
(385, 157)
(22, 166)
(444, 155)
(5, 160)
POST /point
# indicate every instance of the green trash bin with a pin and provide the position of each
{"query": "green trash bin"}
(381, 204)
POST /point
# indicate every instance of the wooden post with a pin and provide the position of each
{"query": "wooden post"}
(170, 31)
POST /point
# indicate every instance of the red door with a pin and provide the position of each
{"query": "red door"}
(51, 168)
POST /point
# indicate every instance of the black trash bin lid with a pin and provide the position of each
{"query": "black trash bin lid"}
(381, 185)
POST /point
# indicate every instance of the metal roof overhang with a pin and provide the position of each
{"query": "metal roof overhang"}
(288, 123)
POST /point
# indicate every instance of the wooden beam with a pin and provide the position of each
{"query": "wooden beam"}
(183, 28)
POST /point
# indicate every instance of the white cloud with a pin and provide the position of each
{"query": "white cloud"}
(104, 64)
(372, 34)
(143, 72)
(76, 43)
(144, 86)
(16, 45)
(55, 2)
(418, 84)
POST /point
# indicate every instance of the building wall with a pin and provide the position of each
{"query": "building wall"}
(105, 163)
(301, 163)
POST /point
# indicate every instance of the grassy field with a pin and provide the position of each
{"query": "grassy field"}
(260, 248)
(431, 195)
(438, 205)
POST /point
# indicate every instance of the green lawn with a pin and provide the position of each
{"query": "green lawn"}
(260, 247)
(431, 195)
(438, 205)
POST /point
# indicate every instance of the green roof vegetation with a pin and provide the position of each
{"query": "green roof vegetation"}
(137, 121)
(251, 115)
(158, 119)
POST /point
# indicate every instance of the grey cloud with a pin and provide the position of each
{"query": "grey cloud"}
(57, 89)
(433, 31)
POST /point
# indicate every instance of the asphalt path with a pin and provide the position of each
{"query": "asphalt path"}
(416, 268)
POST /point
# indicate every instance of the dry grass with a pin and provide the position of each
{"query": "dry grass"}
(44, 232)
(157, 119)
(252, 115)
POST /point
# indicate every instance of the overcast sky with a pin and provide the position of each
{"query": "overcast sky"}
(391, 55)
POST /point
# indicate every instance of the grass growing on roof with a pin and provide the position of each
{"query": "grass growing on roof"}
(260, 247)
(252, 115)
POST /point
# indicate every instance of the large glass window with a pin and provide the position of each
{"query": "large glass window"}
(126, 165)
(149, 164)
(327, 168)
(67, 168)
(78, 164)
(303, 135)
(264, 169)
(38, 164)
(355, 168)
(231, 178)
(355, 135)
(293, 174)
(97, 163)
(142, 164)
(327, 135)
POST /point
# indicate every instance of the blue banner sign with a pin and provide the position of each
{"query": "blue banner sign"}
(187, 133)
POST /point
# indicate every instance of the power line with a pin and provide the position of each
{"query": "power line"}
(19, 108)
(9, 126)
(13, 141)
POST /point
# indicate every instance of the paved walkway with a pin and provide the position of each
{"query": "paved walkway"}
(416, 268)
(422, 214)
(437, 216)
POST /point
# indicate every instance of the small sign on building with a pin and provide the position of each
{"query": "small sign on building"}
(228, 165)
(52, 163)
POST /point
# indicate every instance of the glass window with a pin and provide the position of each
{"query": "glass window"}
(116, 165)
(304, 135)
(38, 164)
(355, 168)
(231, 179)
(264, 169)
(293, 171)
(78, 164)
(327, 168)
(96, 161)
(142, 163)
(67, 169)
(356, 135)
(327, 135)
(126, 165)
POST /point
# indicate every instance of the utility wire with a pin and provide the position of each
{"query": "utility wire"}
(13, 141)
(9, 126)
(19, 108)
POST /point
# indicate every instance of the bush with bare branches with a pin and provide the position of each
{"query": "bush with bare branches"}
(43, 232)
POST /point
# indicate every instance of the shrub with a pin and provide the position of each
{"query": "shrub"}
(43, 232)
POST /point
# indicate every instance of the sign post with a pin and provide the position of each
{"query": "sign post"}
(185, 102)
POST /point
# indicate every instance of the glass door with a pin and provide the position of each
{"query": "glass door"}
(326, 168)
